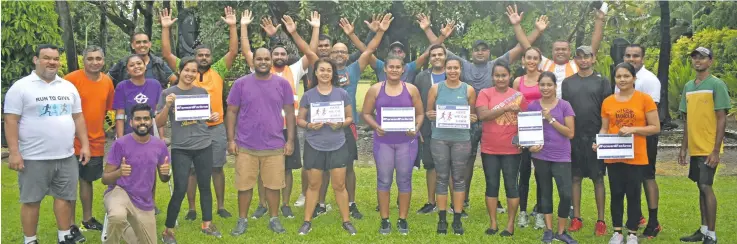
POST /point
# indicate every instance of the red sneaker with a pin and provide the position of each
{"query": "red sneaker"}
(600, 228)
(576, 225)
(643, 222)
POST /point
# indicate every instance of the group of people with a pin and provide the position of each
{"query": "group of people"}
(257, 122)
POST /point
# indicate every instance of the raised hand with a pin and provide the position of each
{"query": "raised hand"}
(423, 20)
(448, 28)
(346, 26)
(314, 20)
(229, 16)
(514, 18)
(600, 15)
(166, 20)
(247, 17)
(289, 24)
(164, 168)
(542, 23)
(125, 168)
(386, 22)
(269, 27)
(374, 24)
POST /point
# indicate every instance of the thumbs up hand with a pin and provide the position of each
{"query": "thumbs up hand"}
(125, 168)
(164, 168)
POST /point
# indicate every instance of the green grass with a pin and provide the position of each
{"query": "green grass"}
(678, 215)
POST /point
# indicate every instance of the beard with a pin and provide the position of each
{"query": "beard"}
(280, 63)
(203, 68)
(142, 130)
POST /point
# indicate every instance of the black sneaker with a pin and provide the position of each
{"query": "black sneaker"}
(76, 234)
(260, 211)
(427, 208)
(305, 228)
(319, 210)
(93, 224)
(708, 240)
(651, 232)
(695, 237)
(224, 213)
(442, 227)
(466, 204)
(68, 239)
(458, 228)
(402, 226)
(506, 233)
(491, 231)
(385, 228)
(191, 215)
(348, 226)
(286, 211)
(354, 211)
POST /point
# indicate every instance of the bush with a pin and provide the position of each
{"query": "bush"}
(678, 75)
(369, 74)
(64, 68)
(723, 44)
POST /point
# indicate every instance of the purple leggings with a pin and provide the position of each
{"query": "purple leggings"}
(395, 156)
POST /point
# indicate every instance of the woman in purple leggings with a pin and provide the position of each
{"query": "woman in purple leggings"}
(393, 149)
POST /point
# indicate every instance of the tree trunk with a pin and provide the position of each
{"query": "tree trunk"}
(65, 21)
(664, 60)
(103, 28)
(148, 21)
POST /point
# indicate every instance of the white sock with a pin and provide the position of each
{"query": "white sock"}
(704, 229)
(27, 239)
(711, 234)
(351, 203)
(63, 233)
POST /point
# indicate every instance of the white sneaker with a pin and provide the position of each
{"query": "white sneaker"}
(617, 238)
(500, 210)
(328, 208)
(300, 201)
(540, 221)
(632, 239)
(522, 220)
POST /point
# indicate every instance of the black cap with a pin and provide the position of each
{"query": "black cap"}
(703, 51)
(480, 42)
(396, 44)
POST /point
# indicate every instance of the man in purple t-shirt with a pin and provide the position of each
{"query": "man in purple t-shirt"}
(133, 161)
(256, 102)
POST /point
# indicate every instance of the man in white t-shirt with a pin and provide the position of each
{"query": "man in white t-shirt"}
(43, 113)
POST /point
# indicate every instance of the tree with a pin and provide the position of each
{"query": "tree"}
(65, 21)
(664, 59)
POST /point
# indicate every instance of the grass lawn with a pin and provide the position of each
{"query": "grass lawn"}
(678, 214)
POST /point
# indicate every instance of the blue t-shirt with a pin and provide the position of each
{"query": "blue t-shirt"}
(410, 71)
(349, 78)
(437, 78)
(325, 139)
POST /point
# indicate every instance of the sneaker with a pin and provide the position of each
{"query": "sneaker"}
(651, 232)
(709, 240)
(275, 225)
(354, 211)
(565, 238)
(224, 213)
(491, 231)
(168, 238)
(319, 210)
(212, 230)
(402, 226)
(632, 239)
(286, 211)
(500, 209)
(76, 234)
(156, 210)
(300, 201)
(600, 228)
(385, 228)
(240, 227)
(468, 205)
(548, 236)
(260, 211)
(695, 237)
(617, 238)
(522, 220)
(576, 224)
(643, 222)
(306, 228)
(377, 208)
(442, 227)
(540, 221)
(68, 239)
(191, 215)
(92, 224)
(463, 213)
(506, 233)
(36, 242)
(427, 208)
(348, 226)
(458, 228)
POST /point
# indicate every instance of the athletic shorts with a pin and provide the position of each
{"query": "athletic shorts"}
(250, 163)
(648, 172)
(293, 161)
(584, 163)
(92, 171)
(57, 178)
(699, 172)
(351, 138)
(326, 160)
(219, 145)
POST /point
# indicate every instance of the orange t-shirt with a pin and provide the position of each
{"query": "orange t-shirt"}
(97, 99)
(213, 84)
(630, 113)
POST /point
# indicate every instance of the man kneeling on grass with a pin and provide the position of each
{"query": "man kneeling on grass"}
(132, 162)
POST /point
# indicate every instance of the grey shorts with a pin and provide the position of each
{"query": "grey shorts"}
(92, 171)
(57, 178)
(219, 145)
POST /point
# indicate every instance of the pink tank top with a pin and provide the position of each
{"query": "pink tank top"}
(530, 93)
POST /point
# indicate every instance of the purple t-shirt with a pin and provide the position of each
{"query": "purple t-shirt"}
(143, 159)
(557, 147)
(260, 103)
(128, 95)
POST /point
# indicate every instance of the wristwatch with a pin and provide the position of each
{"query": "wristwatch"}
(551, 121)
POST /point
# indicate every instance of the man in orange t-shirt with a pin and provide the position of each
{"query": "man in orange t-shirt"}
(96, 91)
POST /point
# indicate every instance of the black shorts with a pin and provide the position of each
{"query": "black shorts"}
(583, 159)
(351, 136)
(699, 172)
(327, 160)
(92, 171)
(293, 161)
(648, 172)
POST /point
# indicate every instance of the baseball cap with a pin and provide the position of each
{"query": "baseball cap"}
(703, 51)
(586, 50)
(396, 44)
(480, 42)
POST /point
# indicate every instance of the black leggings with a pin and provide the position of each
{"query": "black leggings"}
(525, 170)
(509, 167)
(625, 180)
(545, 171)
(181, 161)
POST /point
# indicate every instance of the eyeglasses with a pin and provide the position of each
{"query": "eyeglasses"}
(339, 52)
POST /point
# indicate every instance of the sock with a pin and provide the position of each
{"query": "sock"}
(456, 217)
(653, 213)
(711, 234)
(704, 229)
(618, 231)
(441, 215)
(63, 233)
(27, 239)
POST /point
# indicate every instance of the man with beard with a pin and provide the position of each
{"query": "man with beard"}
(210, 80)
(132, 160)
(257, 102)
(586, 91)
(35, 105)
(96, 91)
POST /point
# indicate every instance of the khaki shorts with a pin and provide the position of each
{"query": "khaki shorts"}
(249, 163)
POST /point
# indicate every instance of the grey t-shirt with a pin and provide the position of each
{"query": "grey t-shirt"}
(188, 134)
(586, 94)
(325, 139)
(478, 75)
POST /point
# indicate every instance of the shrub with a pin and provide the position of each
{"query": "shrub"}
(723, 44)
(679, 74)
(369, 74)
(64, 68)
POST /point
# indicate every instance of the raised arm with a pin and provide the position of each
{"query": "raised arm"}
(166, 23)
(315, 38)
(246, 19)
(540, 25)
(515, 19)
(230, 19)
(445, 31)
(309, 55)
(367, 56)
(598, 31)
(348, 29)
